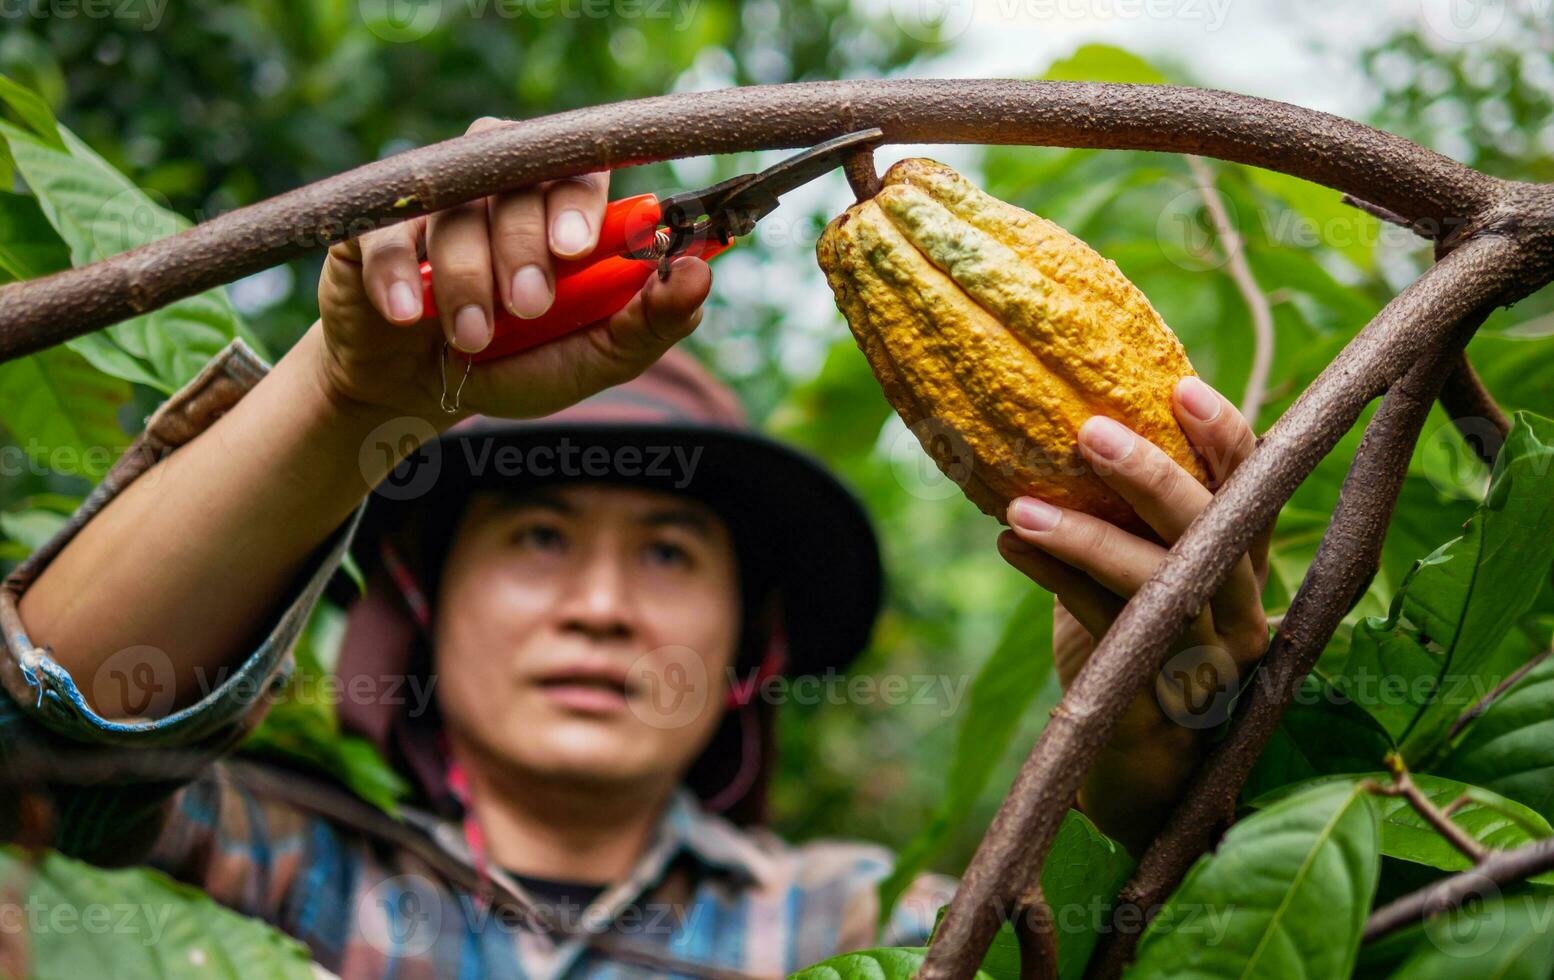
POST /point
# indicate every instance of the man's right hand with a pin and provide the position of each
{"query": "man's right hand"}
(378, 355)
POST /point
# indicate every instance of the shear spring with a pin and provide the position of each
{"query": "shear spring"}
(442, 362)
(657, 250)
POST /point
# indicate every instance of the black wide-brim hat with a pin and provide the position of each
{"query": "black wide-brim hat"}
(675, 429)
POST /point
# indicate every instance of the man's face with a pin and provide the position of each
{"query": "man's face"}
(585, 632)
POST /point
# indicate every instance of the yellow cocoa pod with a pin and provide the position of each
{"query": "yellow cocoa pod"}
(996, 334)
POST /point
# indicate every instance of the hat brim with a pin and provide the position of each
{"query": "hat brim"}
(816, 539)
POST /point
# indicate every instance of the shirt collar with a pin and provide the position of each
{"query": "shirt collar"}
(711, 839)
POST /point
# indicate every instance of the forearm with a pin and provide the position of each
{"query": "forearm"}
(193, 558)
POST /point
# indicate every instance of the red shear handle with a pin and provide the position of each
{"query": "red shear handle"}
(587, 295)
(628, 225)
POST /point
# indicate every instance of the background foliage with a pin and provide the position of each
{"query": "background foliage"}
(226, 104)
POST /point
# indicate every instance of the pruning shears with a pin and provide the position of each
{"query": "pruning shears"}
(644, 232)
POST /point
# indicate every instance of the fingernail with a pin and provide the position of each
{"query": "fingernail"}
(1030, 514)
(404, 302)
(569, 233)
(1106, 438)
(531, 292)
(1199, 399)
(471, 329)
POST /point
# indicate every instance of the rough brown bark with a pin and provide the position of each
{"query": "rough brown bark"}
(1423, 187)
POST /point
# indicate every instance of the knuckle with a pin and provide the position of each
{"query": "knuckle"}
(462, 272)
(1085, 534)
(1156, 477)
(520, 231)
(389, 247)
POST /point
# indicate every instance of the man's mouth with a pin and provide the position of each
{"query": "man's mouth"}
(603, 690)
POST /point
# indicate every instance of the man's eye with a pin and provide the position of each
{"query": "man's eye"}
(543, 537)
(668, 554)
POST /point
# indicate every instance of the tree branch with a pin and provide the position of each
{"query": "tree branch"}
(1484, 703)
(1038, 935)
(1474, 411)
(1345, 560)
(1246, 284)
(1481, 271)
(1426, 188)
(1499, 870)
(1403, 785)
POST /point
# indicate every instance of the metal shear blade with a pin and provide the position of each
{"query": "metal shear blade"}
(732, 207)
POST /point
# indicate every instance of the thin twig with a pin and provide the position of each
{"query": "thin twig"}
(861, 174)
(1377, 211)
(1240, 271)
(1483, 704)
(1501, 869)
(1403, 785)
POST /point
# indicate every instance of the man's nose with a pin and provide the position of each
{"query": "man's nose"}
(600, 601)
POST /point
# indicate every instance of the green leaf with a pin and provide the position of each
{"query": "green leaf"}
(31, 529)
(1285, 895)
(1510, 747)
(137, 923)
(1081, 876)
(32, 110)
(1446, 624)
(1503, 937)
(1104, 63)
(63, 412)
(99, 212)
(1327, 219)
(999, 696)
(29, 247)
(1299, 271)
(1518, 369)
(1322, 734)
(897, 963)
(1490, 819)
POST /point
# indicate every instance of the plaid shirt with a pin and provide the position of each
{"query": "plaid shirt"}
(373, 896)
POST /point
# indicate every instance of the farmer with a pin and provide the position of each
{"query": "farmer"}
(565, 642)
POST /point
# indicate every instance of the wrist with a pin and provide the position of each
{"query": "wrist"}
(344, 399)
(367, 435)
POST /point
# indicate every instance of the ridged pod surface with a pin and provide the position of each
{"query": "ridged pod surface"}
(995, 334)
